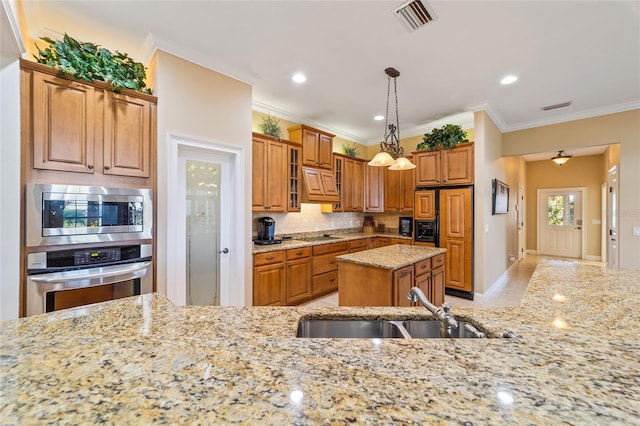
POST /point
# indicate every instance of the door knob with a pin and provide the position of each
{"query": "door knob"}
(224, 251)
(578, 227)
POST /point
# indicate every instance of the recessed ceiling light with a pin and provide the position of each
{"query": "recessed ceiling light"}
(299, 78)
(509, 79)
(378, 117)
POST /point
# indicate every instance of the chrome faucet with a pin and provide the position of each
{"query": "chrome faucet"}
(448, 322)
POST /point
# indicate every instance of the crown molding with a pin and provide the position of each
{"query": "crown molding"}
(14, 27)
(612, 109)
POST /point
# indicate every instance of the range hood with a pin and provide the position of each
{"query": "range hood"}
(319, 186)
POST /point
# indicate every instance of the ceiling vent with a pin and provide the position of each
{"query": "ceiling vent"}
(556, 106)
(415, 14)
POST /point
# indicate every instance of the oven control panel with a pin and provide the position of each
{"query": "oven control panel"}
(88, 257)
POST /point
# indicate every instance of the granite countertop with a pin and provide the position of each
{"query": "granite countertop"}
(392, 257)
(337, 237)
(141, 360)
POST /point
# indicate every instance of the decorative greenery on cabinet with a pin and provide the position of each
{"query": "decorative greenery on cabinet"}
(351, 150)
(447, 137)
(270, 126)
(89, 61)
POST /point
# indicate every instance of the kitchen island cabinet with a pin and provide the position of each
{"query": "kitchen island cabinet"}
(143, 360)
(384, 276)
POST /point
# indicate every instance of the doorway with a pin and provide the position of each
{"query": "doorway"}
(202, 212)
(520, 209)
(560, 222)
(612, 219)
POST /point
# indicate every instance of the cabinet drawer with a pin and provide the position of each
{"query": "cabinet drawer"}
(331, 248)
(324, 263)
(358, 245)
(437, 261)
(325, 283)
(423, 267)
(268, 258)
(298, 253)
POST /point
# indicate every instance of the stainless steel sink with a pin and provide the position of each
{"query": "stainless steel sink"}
(337, 328)
(370, 329)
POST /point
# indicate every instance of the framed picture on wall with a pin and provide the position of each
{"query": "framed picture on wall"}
(500, 197)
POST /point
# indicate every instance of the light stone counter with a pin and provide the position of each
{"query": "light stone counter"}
(141, 361)
(293, 243)
(392, 257)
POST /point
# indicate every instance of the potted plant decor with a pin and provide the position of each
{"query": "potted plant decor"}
(447, 137)
(89, 61)
(270, 126)
(350, 150)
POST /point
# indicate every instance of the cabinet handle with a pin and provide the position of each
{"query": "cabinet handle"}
(332, 262)
(405, 273)
(90, 167)
(423, 267)
(270, 258)
(332, 280)
(298, 253)
(106, 167)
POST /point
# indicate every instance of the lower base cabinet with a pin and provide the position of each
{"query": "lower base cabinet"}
(298, 276)
(269, 279)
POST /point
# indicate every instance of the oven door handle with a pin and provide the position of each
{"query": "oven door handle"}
(106, 274)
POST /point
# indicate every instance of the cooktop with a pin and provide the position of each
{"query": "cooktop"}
(266, 242)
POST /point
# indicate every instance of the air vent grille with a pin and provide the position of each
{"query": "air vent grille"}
(556, 106)
(415, 14)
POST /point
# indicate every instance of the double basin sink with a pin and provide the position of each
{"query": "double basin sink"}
(378, 329)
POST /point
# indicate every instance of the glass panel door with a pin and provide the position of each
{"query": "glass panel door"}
(202, 232)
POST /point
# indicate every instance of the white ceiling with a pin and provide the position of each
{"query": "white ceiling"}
(586, 52)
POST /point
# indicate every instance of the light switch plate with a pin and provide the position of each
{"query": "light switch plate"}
(636, 231)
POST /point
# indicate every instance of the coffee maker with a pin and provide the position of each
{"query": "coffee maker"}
(266, 231)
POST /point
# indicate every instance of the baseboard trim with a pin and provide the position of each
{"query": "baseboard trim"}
(501, 279)
(532, 251)
(596, 258)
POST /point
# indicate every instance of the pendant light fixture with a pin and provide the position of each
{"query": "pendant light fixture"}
(391, 153)
(561, 158)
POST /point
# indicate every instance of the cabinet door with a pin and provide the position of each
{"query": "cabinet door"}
(427, 168)
(423, 282)
(328, 183)
(298, 278)
(339, 172)
(310, 141)
(357, 186)
(325, 148)
(456, 235)
(294, 179)
(425, 206)
(127, 135)
(259, 175)
(269, 183)
(63, 124)
(402, 283)
(407, 189)
(457, 165)
(374, 189)
(268, 285)
(437, 286)
(392, 195)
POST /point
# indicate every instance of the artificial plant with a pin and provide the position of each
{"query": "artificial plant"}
(270, 126)
(447, 137)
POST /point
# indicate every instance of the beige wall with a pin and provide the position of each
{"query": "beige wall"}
(577, 172)
(621, 128)
(201, 104)
(495, 236)
(338, 142)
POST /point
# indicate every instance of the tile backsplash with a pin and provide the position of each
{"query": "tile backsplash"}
(311, 219)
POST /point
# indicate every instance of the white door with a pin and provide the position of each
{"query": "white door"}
(520, 209)
(612, 219)
(560, 222)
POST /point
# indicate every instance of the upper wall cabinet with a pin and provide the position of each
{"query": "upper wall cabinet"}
(317, 146)
(399, 186)
(445, 167)
(269, 174)
(76, 126)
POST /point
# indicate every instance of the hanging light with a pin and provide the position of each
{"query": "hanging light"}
(561, 158)
(391, 153)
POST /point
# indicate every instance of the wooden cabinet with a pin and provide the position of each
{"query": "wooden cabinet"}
(374, 189)
(365, 285)
(298, 275)
(317, 146)
(403, 281)
(349, 177)
(269, 279)
(293, 174)
(325, 267)
(270, 162)
(399, 186)
(318, 186)
(127, 135)
(358, 245)
(456, 235)
(377, 242)
(425, 205)
(445, 167)
(84, 127)
(404, 241)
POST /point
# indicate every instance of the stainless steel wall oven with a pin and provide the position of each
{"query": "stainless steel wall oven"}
(73, 214)
(69, 278)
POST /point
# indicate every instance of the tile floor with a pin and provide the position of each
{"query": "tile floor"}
(508, 293)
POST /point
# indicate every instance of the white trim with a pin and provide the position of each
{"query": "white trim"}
(501, 279)
(493, 115)
(236, 247)
(14, 26)
(583, 234)
(604, 224)
(592, 257)
(531, 251)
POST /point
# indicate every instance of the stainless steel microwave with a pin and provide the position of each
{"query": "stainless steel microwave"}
(73, 214)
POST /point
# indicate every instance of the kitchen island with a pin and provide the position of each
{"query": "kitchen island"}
(141, 360)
